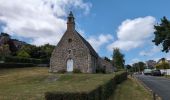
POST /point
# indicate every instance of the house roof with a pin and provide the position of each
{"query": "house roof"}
(92, 51)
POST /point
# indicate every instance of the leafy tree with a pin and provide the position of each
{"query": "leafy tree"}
(162, 34)
(4, 50)
(128, 67)
(107, 59)
(118, 59)
(23, 54)
(46, 51)
(139, 66)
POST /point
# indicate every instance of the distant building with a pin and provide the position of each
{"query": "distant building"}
(74, 52)
(151, 63)
(163, 59)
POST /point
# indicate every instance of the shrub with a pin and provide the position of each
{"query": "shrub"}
(62, 71)
(120, 77)
(76, 70)
(101, 70)
(10, 59)
(15, 65)
(23, 54)
(100, 93)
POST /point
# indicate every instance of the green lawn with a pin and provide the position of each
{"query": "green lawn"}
(32, 83)
(131, 90)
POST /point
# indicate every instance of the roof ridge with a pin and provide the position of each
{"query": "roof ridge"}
(91, 49)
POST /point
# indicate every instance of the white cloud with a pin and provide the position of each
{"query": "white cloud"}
(153, 51)
(97, 42)
(133, 33)
(40, 20)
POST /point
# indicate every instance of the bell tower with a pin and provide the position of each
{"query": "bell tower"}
(70, 22)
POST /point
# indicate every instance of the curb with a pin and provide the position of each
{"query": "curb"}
(154, 95)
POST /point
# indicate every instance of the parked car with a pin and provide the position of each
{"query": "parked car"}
(147, 71)
(156, 73)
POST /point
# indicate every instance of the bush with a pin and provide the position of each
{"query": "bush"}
(23, 54)
(10, 59)
(101, 70)
(121, 77)
(62, 71)
(15, 65)
(76, 70)
(100, 93)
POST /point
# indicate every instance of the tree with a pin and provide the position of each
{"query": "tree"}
(118, 59)
(46, 51)
(139, 66)
(128, 67)
(4, 50)
(162, 34)
(107, 59)
(23, 54)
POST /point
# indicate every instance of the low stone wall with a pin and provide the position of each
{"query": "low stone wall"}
(106, 65)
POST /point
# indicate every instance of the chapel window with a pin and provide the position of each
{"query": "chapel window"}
(69, 40)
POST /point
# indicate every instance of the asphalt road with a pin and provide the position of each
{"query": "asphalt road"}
(159, 85)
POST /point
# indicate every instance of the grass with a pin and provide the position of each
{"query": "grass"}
(167, 76)
(131, 90)
(32, 83)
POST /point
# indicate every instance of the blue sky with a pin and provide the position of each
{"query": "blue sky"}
(127, 24)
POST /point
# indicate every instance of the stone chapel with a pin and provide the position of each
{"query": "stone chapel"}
(74, 52)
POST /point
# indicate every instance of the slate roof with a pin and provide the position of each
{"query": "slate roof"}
(92, 51)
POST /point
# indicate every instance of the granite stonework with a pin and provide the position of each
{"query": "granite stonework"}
(73, 46)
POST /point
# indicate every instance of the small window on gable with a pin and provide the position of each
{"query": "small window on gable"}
(69, 40)
(69, 51)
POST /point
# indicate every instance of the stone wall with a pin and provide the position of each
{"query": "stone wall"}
(105, 65)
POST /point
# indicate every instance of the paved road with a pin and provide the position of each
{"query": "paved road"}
(159, 85)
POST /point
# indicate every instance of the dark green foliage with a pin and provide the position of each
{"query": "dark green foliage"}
(4, 34)
(62, 71)
(42, 52)
(107, 59)
(138, 67)
(121, 77)
(76, 70)
(118, 59)
(162, 34)
(25, 60)
(101, 70)
(23, 54)
(15, 65)
(128, 67)
(100, 93)
(22, 49)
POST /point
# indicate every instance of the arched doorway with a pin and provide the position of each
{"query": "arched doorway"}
(69, 65)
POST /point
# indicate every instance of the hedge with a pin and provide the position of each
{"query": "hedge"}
(15, 65)
(10, 59)
(101, 93)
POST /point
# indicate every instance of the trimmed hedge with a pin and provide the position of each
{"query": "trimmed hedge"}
(15, 65)
(25, 60)
(101, 93)
(76, 70)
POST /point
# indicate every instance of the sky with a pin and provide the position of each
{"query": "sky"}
(124, 24)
